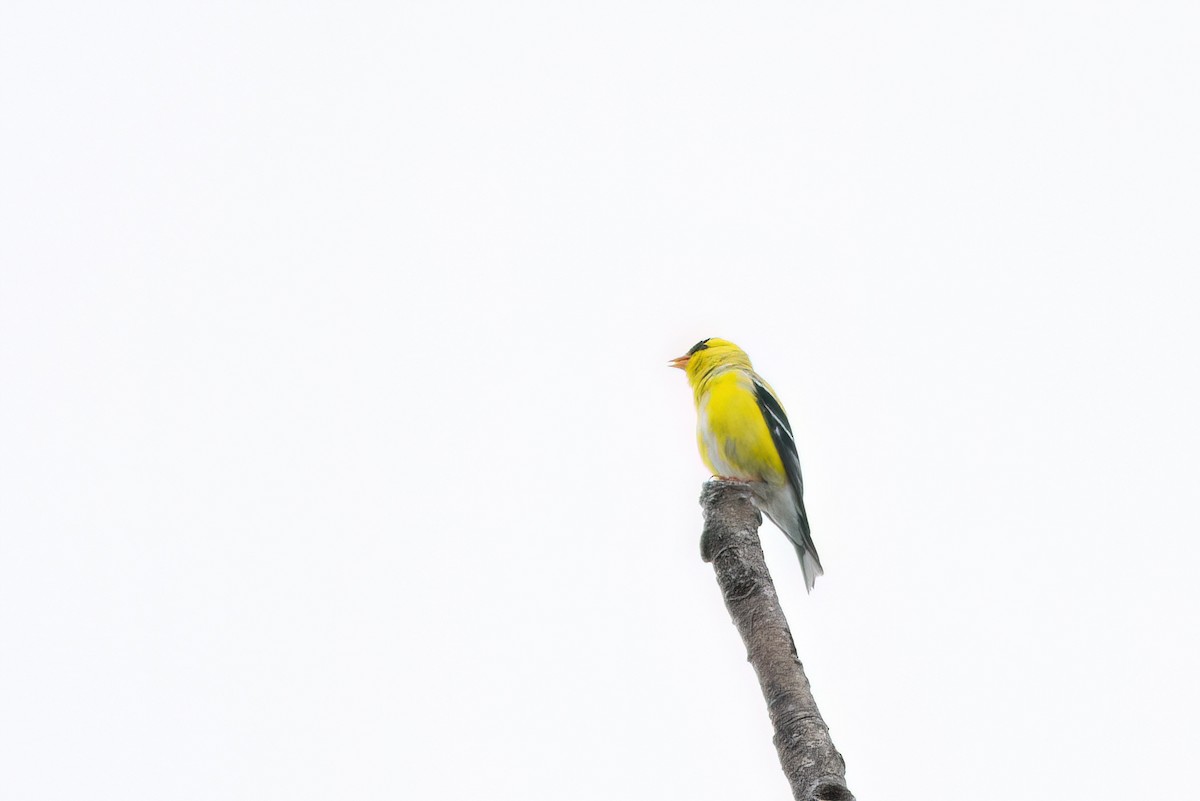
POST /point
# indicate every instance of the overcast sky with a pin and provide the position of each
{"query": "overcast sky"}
(339, 457)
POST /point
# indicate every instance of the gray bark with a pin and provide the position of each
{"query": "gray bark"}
(730, 542)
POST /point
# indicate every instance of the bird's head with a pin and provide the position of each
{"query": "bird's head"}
(708, 354)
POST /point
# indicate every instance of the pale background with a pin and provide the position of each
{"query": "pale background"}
(340, 458)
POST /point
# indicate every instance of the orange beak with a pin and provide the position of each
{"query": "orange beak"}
(681, 362)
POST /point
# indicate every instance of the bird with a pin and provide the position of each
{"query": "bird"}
(744, 435)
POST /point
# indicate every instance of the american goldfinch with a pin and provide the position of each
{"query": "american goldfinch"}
(744, 435)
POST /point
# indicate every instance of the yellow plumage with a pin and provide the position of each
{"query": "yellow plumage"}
(744, 434)
(733, 436)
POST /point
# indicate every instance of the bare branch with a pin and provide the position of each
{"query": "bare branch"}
(730, 541)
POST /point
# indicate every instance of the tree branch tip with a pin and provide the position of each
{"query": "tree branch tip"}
(715, 489)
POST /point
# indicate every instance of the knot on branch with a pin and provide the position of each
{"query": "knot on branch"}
(831, 789)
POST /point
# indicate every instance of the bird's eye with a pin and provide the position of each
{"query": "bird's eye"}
(701, 345)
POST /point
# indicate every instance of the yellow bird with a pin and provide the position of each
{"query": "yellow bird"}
(744, 435)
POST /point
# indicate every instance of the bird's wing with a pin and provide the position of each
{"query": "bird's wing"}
(785, 444)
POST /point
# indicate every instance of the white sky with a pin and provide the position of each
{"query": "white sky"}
(339, 457)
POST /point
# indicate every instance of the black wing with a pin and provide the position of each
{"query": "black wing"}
(785, 443)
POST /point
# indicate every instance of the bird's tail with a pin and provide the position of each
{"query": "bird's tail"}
(810, 564)
(787, 512)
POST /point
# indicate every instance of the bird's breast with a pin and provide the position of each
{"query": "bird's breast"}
(732, 435)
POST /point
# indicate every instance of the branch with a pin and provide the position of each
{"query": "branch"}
(730, 541)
